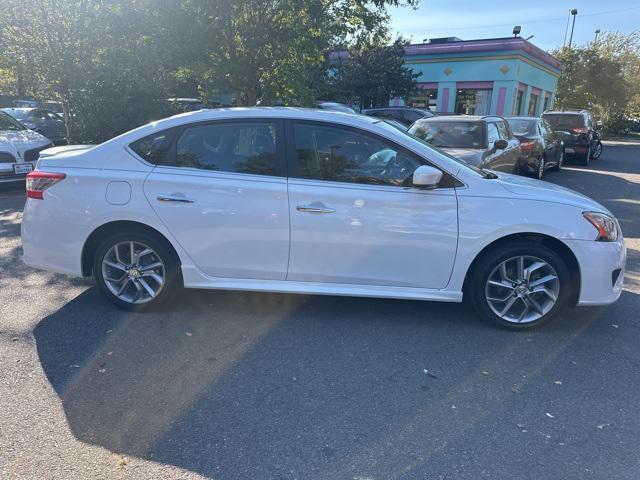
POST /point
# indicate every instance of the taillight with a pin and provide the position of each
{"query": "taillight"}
(580, 130)
(38, 182)
(527, 147)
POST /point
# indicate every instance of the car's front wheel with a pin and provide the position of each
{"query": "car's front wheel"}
(521, 286)
(598, 151)
(135, 270)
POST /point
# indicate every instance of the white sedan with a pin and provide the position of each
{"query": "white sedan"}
(19, 149)
(310, 201)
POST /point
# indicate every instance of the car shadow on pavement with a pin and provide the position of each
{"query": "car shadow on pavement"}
(250, 385)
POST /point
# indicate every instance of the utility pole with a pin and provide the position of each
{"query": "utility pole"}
(574, 12)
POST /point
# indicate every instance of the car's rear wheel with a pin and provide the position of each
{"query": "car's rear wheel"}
(135, 270)
(558, 166)
(598, 151)
(521, 286)
(540, 168)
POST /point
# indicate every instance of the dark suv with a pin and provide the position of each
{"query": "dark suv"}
(485, 142)
(578, 130)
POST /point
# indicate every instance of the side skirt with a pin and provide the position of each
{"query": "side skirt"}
(193, 278)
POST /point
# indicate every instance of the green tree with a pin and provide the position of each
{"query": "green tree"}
(371, 73)
(276, 50)
(603, 76)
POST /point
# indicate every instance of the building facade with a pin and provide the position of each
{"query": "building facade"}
(500, 76)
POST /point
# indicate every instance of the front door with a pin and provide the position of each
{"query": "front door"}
(356, 219)
(222, 192)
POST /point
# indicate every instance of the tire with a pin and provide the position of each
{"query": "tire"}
(540, 168)
(157, 261)
(598, 151)
(490, 299)
(558, 166)
(585, 160)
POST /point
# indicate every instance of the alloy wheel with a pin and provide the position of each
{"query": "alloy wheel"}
(133, 272)
(522, 289)
(598, 151)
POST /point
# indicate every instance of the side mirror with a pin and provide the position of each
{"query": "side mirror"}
(500, 144)
(426, 177)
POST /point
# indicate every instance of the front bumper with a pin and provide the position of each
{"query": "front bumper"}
(602, 266)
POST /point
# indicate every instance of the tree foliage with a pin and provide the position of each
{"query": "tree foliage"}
(371, 73)
(603, 76)
(112, 63)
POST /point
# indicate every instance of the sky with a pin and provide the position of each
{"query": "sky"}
(546, 20)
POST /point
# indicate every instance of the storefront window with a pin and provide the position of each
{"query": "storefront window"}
(545, 107)
(473, 102)
(519, 98)
(533, 103)
(425, 99)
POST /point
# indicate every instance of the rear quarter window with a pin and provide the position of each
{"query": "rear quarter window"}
(153, 148)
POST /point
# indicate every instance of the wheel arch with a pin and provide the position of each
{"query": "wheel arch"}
(548, 241)
(93, 240)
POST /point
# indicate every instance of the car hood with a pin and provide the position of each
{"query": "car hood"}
(472, 156)
(21, 139)
(547, 192)
(17, 143)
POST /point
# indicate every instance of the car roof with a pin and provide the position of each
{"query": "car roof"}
(233, 113)
(523, 118)
(398, 107)
(565, 112)
(21, 109)
(460, 118)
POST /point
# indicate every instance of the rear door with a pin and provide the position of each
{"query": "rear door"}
(221, 190)
(356, 219)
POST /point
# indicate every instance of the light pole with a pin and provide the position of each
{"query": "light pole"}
(574, 12)
(597, 32)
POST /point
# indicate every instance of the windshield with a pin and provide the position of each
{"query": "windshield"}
(449, 134)
(422, 142)
(564, 120)
(522, 127)
(7, 122)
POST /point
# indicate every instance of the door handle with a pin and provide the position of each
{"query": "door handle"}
(173, 198)
(312, 209)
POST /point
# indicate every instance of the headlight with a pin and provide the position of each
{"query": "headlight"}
(606, 226)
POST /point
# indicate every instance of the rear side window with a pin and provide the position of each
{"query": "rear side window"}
(229, 147)
(154, 148)
(561, 121)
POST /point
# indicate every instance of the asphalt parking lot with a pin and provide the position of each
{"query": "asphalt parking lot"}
(230, 385)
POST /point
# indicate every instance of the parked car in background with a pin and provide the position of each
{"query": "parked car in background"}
(186, 104)
(579, 132)
(335, 106)
(348, 205)
(405, 115)
(52, 106)
(19, 149)
(484, 142)
(541, 147)
(45, 122)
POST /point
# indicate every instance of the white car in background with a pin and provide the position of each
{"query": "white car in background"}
(316, 202)
(19, 149)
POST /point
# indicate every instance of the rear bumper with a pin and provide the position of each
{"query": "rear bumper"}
(49, 244)
(602, 266)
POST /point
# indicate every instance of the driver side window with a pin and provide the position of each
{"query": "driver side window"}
(344, 155)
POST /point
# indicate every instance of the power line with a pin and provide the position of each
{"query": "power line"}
(546, 20)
